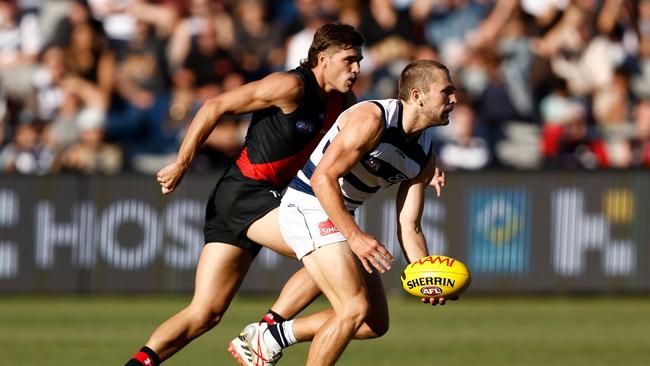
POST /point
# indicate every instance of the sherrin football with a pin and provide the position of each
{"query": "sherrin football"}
(436, 276)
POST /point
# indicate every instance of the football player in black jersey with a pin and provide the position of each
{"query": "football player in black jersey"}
(291, 111)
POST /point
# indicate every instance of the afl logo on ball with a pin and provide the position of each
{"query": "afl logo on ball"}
(305, 126)
(430, 290)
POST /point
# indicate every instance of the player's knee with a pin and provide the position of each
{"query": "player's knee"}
(356, 312)
(205, 319)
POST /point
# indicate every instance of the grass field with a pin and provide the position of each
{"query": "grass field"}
(75, 331)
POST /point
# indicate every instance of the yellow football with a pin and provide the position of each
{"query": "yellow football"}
(436, 276)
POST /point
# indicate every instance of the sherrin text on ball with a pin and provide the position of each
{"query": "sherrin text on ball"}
(436, 276)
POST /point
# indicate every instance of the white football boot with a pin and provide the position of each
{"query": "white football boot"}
(250, 348)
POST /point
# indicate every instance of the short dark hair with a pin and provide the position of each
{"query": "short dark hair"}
(332, 34)
(419, 75)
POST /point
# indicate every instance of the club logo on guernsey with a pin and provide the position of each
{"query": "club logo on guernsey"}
(327, 228)
(305, 126)
(372, 164)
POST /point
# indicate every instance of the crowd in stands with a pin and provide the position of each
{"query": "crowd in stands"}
(106, 86)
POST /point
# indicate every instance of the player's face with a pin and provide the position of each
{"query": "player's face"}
(342, 68)
(440, 100)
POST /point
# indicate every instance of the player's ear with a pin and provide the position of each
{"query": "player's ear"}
(323, 58)
(416, 95)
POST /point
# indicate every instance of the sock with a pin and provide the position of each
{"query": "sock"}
(146, 356)
(271, 317)
(282, 333)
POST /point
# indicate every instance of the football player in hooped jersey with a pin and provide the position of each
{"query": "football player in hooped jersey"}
(291, 112)
(373, 145)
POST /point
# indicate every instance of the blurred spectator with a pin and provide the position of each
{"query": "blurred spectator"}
(88, 57)
(119, 26)
(611, 109)
(78, 12)
(389, 34)
(20, 43)
(201, 15)
(26, 153)
(463, 150)
(139, 117)
(448, 23)
(584, 57)
(258, 45)
(570, 144)
(544, 12)
(120, 18)
(511, 136)
(63, 102)
(209, 65)
(48, 93)
(559, 106)
(295, 15)
(91, 154)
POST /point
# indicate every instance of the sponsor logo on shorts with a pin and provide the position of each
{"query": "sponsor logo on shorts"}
(327, 228)
(305, 126)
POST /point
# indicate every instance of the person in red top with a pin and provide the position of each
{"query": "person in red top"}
(291, 112)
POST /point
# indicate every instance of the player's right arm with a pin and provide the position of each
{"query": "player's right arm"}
(281, 90)
(361, 128)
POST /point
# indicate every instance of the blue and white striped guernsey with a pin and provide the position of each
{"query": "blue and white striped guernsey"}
(395, 159)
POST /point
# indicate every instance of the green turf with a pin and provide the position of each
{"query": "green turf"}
(473, 331)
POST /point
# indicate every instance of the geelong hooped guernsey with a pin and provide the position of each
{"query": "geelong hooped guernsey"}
(394, 159)
(278, 144)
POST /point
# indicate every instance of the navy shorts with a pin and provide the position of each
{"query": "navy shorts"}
(236, 202)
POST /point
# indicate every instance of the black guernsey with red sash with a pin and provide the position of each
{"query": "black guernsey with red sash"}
(277, 145)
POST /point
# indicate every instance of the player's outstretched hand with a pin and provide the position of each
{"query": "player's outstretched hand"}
(170, 176)
(370, 252)
(438, 181)
(437, 300)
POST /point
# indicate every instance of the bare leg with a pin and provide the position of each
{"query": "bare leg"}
(266, 232)
(300, 290)
(375, 324)
(220, 271)
(335, 270)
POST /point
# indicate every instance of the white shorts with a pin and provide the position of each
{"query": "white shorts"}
(304, 224)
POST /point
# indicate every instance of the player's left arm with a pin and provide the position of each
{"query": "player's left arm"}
(410, 203)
